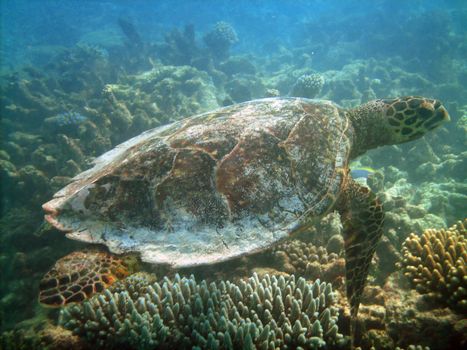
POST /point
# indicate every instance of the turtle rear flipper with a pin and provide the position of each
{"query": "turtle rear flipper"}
(79, 275)
(362, 216)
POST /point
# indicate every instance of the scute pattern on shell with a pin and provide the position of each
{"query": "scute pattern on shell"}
(78, 276)
(212, 186)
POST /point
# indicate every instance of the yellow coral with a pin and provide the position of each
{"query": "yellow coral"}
(435, 264)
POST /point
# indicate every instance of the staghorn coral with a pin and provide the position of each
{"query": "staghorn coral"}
(435, 264)
(264, 313)
(308, 85)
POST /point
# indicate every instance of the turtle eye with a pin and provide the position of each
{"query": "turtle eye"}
(411, 117)
(439, 116)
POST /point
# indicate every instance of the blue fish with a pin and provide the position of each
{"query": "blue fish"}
(70, 118)
(362, 172)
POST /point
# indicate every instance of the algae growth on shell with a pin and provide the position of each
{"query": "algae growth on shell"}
(210, 187)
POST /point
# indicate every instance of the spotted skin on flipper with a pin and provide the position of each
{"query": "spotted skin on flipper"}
(78, 276)
(362, 216)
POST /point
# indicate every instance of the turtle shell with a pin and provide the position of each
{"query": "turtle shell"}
(212, 186)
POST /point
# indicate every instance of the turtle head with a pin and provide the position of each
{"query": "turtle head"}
(392, 121)
(409, 118)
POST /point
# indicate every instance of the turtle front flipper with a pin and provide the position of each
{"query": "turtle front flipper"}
(362, 217)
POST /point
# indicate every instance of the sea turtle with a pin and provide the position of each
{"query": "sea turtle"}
(239, 179)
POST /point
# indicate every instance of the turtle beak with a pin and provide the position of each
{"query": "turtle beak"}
(444, 112)
(440, 116)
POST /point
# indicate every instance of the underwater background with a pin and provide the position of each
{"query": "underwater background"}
(79, 77)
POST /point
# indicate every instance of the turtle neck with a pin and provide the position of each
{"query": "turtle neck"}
(370, 128)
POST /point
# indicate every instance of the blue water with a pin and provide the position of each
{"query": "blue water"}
(261, 25)
(79, 77)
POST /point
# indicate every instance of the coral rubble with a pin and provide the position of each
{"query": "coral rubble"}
(411, 318)
(266, 313)
(43, 337)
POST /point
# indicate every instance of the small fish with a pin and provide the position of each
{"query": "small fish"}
(363, 172)
(69, 118)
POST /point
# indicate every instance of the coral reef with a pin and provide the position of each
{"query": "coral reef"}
(306, 259)
(64, 121)
(272, 93)
(43, 337)
(220, 39)
(411, 201)
(74, 102)
(133, 38)
(244, 87)
(394, 316)
(54, 124)
(412, 319)
(17, 340)
(435, 264)
(269, 312)
(308, 85)
(238, 65)
(68, 136)
(159, 96)
(180, 47)
(28, 251)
